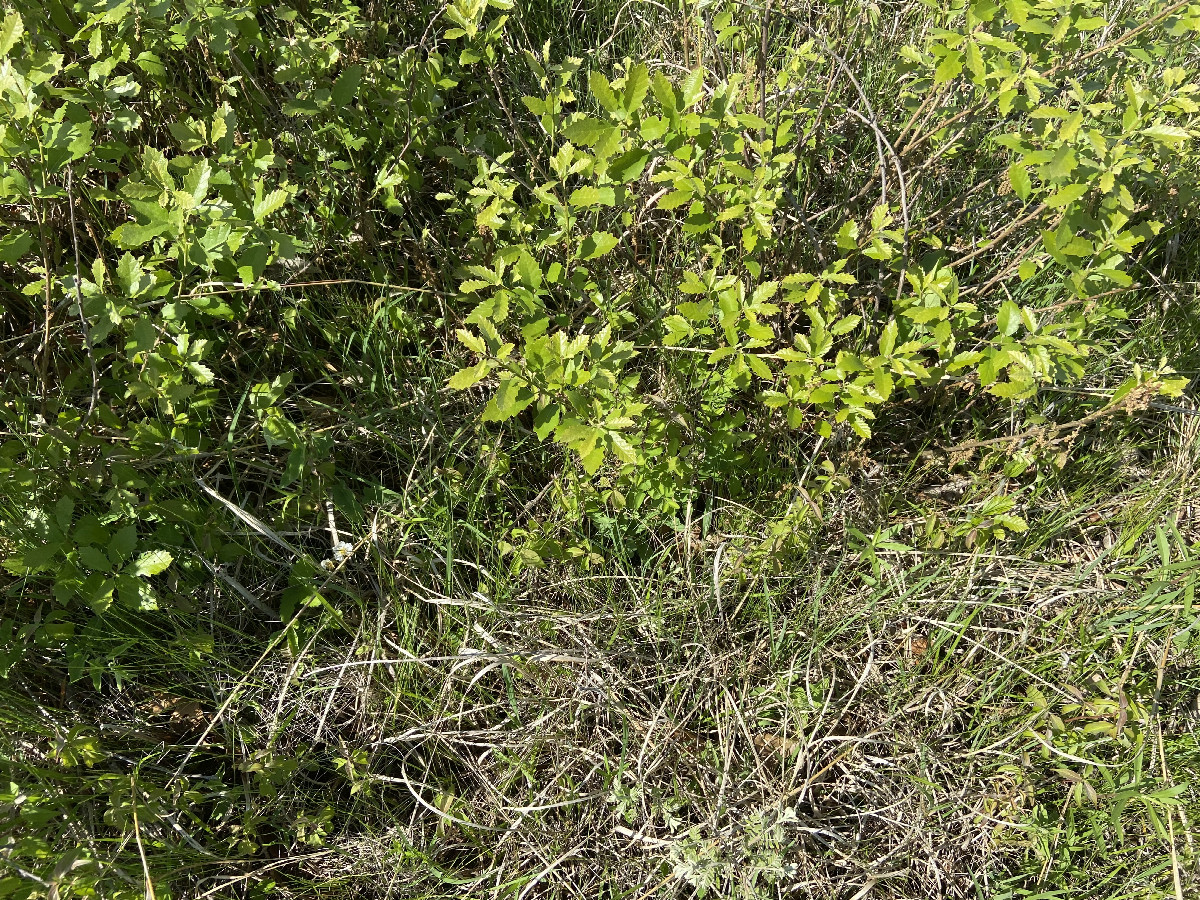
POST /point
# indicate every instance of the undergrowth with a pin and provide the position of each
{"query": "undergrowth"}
(614, 450)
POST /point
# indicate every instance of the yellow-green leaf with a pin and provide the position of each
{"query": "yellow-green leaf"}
(152, 562)
(592, 196)
(10, 32)
(1166, 134)
(637, 83)
(1018, 177)
(1068, 194)
(469, 377)
(597, 244)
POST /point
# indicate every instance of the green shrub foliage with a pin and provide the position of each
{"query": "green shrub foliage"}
(656, 283)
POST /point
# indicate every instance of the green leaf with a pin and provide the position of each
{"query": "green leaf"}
(597, 244)
(1013, 390)
(512, 396)
(1009, 318)
(10, 32)
(577, 435)
(470, 376)
(629, 165)
(471, 341)
(95, 559)
(529, 271)
(155, 164)
(123, 542)
(300, 107)
(1068, 194)
(197, 180)
(346, 86)
(149, 63)
(637, 83)
(272, 202)
(847, 235)
(593, 460)
(152, 562)
(664, 92)
(14, 245)
(887, 340)
(586, 131)
(1167, 134)
(949, 68)
(603, 92)
(622, 448)
(759, 367)
(653, 128)
(547, 420)
(1018, 177)
(129, 274)
(845, 325)
(1061, 165)
(97, 591)
(675, 198)
(592, 196)
(692, 88)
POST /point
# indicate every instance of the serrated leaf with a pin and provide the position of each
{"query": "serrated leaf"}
(10, 32)
(847, 235)
(129, 273)
(469, 377)
(1008, 320)
(764, 292)
(576, 435)
(155, 164)
(152, 562)
(637, 83)
(622, 448)
(925, 314)
(592, 196)
(94, 558)
(603, 92)
(471, 341)
(759, 367)
(123, 542)
(272, 202)
(1018, 177)
(692, 88)
(1068, 194)
(629, 165)
(664, 92)
(547, 420)
(1166, 134)
(346, 86)
(512, 396)
(597, 244)
(529, 271)
(675, 199)
(586, 131)
(593, 460)
(201, 372)
(1061, 165)
(149, 63)
(844, 325)
(887, 339)
(949, 68)
(1013, 390)
(300, 107)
